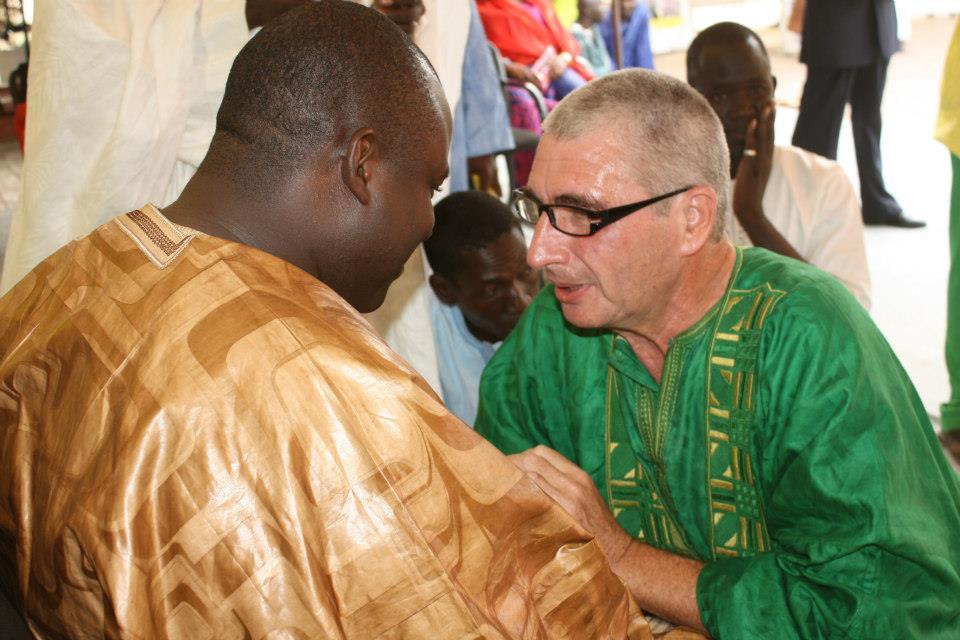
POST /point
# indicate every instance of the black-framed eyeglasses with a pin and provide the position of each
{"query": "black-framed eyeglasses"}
(573, 220)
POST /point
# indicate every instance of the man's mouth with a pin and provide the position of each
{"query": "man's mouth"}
(569, 293)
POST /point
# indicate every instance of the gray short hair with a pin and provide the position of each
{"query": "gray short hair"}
(670, 132)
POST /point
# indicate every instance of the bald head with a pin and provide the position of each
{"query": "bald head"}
(728, 64)
(319, 72)
(721, 38)
(331, 138)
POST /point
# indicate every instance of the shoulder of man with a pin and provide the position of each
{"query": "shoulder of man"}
(792, 157)
(220, 300)
(799, 288)
(807, 174)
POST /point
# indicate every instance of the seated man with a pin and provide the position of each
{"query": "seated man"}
(482, 284)
(754, 459)
(785, 199)
(200, 436)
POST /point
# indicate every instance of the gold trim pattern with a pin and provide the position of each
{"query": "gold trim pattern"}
(737, 524)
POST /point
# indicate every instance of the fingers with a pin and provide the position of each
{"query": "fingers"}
(769, 117)
(561, 479)
(759, 136)
(750, 141)
(556, 470)
(558, 461)
(764, 140)
(553, 483)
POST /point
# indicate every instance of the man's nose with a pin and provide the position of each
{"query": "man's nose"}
(546, 245)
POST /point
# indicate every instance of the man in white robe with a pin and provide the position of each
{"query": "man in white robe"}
(130, 89)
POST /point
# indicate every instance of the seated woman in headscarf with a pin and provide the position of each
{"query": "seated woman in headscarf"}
(529, 33)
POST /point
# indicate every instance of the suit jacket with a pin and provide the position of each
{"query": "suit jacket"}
(848, 33)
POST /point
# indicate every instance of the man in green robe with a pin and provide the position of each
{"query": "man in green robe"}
(729, 423)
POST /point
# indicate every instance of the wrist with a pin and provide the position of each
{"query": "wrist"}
(616, 547)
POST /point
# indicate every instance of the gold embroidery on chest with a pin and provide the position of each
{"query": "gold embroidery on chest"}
(737, 524)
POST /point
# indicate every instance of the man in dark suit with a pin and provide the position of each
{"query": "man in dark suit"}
(847, 46)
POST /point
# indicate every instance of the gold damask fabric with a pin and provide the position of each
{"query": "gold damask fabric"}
(201, 441)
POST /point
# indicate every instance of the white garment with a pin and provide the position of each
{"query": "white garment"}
(462, 357)
(11, 164)
(122, 102)
(404, 318)
(810, 201)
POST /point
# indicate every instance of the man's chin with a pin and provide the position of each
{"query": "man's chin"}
(370, 301)
(373, 299)
(582, 308)
(581, 317)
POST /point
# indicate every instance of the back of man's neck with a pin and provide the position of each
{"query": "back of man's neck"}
(214, 205)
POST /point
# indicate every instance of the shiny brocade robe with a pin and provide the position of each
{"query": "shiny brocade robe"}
(201, 441)
(784, 446)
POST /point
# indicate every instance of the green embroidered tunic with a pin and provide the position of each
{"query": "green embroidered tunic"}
(785, 446)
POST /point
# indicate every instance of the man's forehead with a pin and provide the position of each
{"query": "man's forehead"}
(584, 165)
(489, 261)
(726, 62)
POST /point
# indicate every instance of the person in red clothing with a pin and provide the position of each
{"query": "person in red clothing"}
(529, 33)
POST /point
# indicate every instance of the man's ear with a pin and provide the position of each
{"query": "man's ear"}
(699, 218)
(773, 80)
(359, 162)
(446, 291)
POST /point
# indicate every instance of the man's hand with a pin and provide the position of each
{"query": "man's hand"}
(572, 489)
(404, 13)
(752, 176)
(662, 583)
(485, 170)
(754, 170)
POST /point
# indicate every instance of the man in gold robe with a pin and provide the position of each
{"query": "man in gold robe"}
(202, 438)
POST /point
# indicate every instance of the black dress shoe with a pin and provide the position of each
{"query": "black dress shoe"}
(895, 221)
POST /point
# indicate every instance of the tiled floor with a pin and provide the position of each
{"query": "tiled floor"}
(908, 267)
